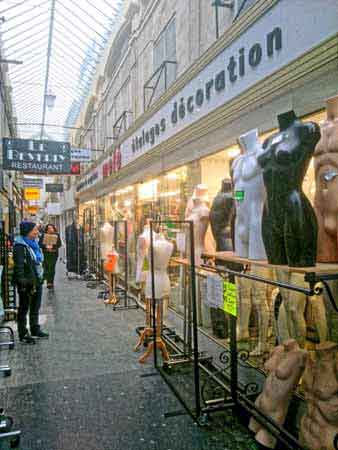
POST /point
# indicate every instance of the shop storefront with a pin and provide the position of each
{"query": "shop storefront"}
(268, 66)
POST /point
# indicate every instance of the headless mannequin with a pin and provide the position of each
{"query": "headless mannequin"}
(319, 425)
(247, 178)
(199, 214)
(221, 214)
(143, 243)
(326, 197)
(284, 368)
(106, 239)
(162, 251)
(289, 222)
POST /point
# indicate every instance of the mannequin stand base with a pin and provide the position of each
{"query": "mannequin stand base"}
(125, 302)
(145, 334)
(113, 300)
(160, 345)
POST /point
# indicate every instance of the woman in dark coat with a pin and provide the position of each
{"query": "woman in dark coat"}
(28, 277)
(50, 243)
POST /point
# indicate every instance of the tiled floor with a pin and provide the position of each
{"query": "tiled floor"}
(83, 388)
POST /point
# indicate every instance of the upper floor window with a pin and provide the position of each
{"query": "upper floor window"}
(164, 60)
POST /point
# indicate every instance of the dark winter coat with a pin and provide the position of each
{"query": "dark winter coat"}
(27, 274)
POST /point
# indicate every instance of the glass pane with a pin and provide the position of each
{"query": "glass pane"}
(171, 41)
(159, 52)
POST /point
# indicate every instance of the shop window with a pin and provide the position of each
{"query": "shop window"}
(164, 61)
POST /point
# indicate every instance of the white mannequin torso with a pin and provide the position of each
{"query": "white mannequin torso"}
(163, 250)
(199, 214)
(107, 239)
(248, 178)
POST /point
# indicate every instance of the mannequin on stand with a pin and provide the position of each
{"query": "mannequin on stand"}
(284, 368)
(162, 251)
(249, 201)
(326, 197)
(109, 256)
(143, 243)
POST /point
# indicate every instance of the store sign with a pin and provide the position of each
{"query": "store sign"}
(53, 209)
(32, 209)
(80, 154)
(34, 156)
(230, 298)
(33, 182)
(283, 34)
(32, 193)
(112, 164)
(90, 179)
(54, 187)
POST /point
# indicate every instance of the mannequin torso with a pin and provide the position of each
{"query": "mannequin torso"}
(289, 222)
(248, 180)
(221, 215)
(199, 215)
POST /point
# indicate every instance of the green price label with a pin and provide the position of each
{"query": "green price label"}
(230, 298)
(239, 196)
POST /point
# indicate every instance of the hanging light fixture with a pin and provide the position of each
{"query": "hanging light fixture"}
(50, 100)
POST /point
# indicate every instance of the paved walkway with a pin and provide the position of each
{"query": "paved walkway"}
(82, 389)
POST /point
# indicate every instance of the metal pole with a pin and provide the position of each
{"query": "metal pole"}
(153, 300)
(216, 15)
(194, 314)
(233, 354)
(125, 263)
(49, 52)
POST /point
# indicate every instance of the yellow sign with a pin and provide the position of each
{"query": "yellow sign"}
(230, 298)
(32, 193)
(32, 209)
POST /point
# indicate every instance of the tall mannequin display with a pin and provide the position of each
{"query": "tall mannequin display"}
(143, 243)
(221, 215)
(106, 239)
(285, 368)
(76, 262)
(326, 197)
(162, 251)
(289, 221)
(250, 196)
(319, 425)
(198, 213)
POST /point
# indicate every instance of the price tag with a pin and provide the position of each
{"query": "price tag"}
(230, 298)
(239, 196)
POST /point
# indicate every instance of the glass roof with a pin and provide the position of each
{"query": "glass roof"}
(60, 43)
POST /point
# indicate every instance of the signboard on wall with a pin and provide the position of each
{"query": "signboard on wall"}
(80, 154)
(36, 156)
(32, 194)
(54, 187)
(33, 182)
(53, 209)
(284, 33)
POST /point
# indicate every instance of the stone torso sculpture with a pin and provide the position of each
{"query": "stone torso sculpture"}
(326, 197)
(249, 185)
(289, 221)
(285, 368)
(221, 215)
(319, 425)
(163, 250)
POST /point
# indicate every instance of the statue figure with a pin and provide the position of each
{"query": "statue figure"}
(249, 198)
(221, 214)
(289, 221)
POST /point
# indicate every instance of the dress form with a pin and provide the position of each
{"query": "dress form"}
(221, 215)
(199, 215)
(326, 197)
(284, 368)
(143, 244)
(289, 222)
(248, 180)
(106, 239)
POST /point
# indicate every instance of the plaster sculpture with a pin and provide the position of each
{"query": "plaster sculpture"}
(284, 370)
(326, 196)
(319, 425)
(221, 215)
(289, 221)
(249, 198)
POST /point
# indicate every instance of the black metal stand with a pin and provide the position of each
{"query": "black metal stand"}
(125, 301)
(179, 357)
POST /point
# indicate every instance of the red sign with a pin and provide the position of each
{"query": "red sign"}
(112, 164)
(75, 168)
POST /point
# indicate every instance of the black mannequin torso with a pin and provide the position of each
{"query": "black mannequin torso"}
(289, 221)
(221, 215)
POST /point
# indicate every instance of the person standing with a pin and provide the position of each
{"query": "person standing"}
(50, 243)
(28, 277)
